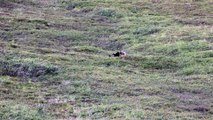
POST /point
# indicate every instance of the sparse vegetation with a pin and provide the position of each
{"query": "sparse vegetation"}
(54, 60)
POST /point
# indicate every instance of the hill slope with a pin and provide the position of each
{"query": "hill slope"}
(54, 60)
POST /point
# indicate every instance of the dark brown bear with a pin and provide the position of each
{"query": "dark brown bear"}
(119, 54)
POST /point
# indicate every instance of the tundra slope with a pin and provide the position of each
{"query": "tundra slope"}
(166, 75)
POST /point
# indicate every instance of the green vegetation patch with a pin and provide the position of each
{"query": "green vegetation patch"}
(159, 62)
(146, 30)
(181, 47)
(108, 12)
(88, 49)
(13, 111)
(73, 34)
(197, 69)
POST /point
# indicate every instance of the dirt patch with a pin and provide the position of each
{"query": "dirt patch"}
(4, 27)
(5, 13)
(79, 13)
(84, 11)
(28, 24)
(89, 100)
(74, 26)
(135, 92)
(25, 70)
(195, 108)
(103, 36)
(17, 36)
(193, 21)
(13, 4)
(5, 36)
(101, 19)
(192, 100)
(7, 5)
(36, 21)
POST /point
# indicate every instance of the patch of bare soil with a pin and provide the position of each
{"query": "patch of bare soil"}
(193, 101)
(5, 13)
(7, 5)
(5, 36)
(4, 27)
(101, 19)
(193, 21)
(25, 70)
(13, 4)
(79, 13)
(16, 36)
(74, 26)
(196, 108)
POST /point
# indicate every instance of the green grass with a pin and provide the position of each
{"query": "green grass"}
(21, 112)
(55, 64)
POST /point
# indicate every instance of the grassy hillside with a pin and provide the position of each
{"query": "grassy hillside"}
(55, 64)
